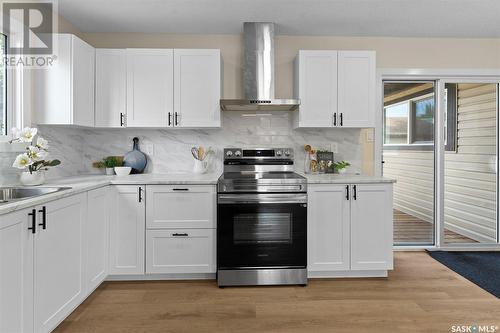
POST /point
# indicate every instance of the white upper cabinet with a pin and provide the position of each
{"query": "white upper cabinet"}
(197, 88)
(150, 87)
(316, 87)
(356, 88)
(336, 88)
(64, 92)
(110, 87)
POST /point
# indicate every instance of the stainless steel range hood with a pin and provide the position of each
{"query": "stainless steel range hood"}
(258, 75)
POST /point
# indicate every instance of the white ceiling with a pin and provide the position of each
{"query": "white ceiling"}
(414, 18)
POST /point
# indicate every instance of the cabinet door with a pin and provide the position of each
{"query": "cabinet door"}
(97, 238)
(316, 75)
(180, 251)
(16, 272)
(150, 87)
(127, 230)
(356, 86)
(179, 206)
(371, 227)
(328, 228)
(83, 70)
(111, 87)
(197, 85)
(59, 261)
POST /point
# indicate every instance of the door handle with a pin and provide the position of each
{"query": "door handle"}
(122, 122)
(334, 119)
(33, 221)
(341, 119)
(44, 217)
(140, 194)
(176, 119)
(354, 194)
(347, 192)
(180, 189)
(169, 119)
(180, 235)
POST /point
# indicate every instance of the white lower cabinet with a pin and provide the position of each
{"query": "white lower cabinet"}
(190, 206)
(16, 272)
(97, 237)
(328, 221)
(349, 228)
(180, 251)
(58, 261)
(127, 230)
(371, 227)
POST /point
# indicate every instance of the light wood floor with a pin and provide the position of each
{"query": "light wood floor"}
(412, 230)
(420, 295)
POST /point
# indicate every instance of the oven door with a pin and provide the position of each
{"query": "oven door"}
(262, 231)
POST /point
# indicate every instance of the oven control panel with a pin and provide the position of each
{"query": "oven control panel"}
(268, 153)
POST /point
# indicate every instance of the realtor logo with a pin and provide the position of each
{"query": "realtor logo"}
(29, 27)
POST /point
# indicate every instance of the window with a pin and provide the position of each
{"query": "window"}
(3, 87)
(410, 122)
(396, 124)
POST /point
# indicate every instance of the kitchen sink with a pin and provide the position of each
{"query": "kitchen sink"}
(8, 194)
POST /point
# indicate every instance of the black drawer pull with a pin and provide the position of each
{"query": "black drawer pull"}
(33, 221)
(180, 189)
(180, 235)
(44, 217)
(355, 193)
(347, 192)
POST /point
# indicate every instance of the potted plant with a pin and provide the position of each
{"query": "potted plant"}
(341, 167)
(109, 163)
(33, 161)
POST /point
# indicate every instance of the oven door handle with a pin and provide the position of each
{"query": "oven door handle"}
(292, 198)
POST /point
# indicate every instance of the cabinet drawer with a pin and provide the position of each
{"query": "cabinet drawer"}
(192, 206)
(180, 251)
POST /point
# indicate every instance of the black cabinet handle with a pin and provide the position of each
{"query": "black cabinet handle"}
(176, 119)
(355, 195)
(122, 123)
(180, 235)
(341, 119)
(44, 217)
(334, 119)
(140, 194)
(180, 189)
(347, 192)
(33, 221)
(169, 119)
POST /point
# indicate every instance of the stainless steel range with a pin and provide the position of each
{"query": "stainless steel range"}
(261, 220)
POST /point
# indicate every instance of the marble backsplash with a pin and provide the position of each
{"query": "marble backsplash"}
(169, 149)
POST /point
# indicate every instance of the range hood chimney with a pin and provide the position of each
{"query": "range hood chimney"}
(258, 75)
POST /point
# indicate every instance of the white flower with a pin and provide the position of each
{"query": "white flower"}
(22, 161)
(25, 135)
(35, 153)
(42, 143)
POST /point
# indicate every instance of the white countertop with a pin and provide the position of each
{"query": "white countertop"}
(87, 183)
(90, 182)
(345, 178)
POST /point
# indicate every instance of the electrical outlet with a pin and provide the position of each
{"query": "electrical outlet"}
(148, 149)
(334, 147)
(370, 136)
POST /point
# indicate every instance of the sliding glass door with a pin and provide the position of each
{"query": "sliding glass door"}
(440, 143)
(408, 157)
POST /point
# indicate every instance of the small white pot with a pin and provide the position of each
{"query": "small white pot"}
(32, 179)
(344, 170)
(200, 166)
(110, 171)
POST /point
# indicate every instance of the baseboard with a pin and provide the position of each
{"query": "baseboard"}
(171, 276)
(347, 274)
